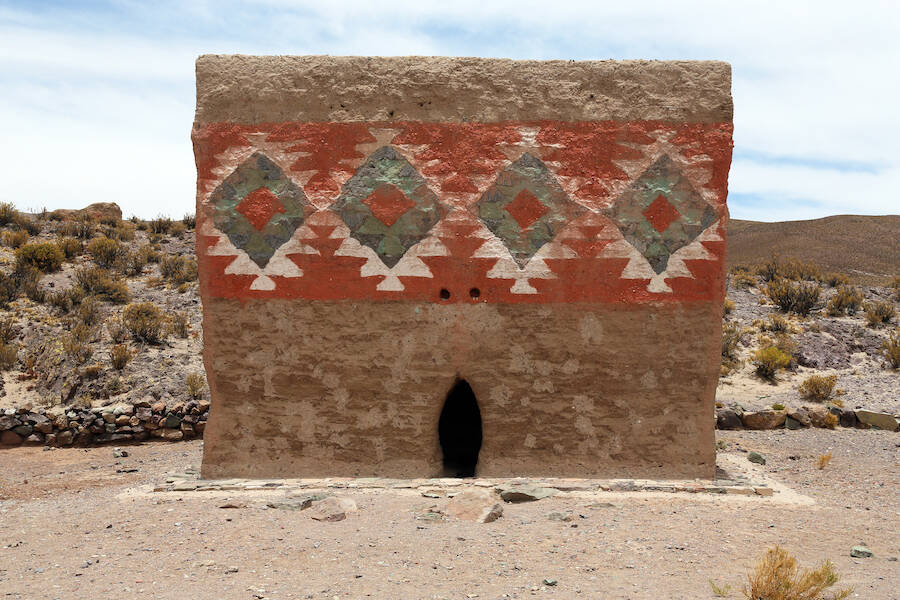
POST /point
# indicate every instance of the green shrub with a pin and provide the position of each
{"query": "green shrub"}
(879, 313)
(8, 213)
(119, 355)
(145, 321)
(769, 361)
(818, 387)
(15, 239)
(106, 252)
(103, 284)
(797, 297)
(846, 301)
(44, 256)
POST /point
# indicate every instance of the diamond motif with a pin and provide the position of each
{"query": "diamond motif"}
(259, 208)
(661, 212)
(526, 207)
(388, 203)
(388, 206)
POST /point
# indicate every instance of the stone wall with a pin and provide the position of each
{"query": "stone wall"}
(372, 230)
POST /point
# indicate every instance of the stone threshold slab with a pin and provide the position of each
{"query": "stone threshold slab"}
(733, 478)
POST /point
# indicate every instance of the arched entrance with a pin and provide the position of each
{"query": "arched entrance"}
(459, 431)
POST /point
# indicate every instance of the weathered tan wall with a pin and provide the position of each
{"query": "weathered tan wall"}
(564, 390)
(370, 229)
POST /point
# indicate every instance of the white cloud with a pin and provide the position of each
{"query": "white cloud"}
(97, 103)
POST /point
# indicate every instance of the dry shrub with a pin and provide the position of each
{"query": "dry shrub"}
(879, 313)
(117, 330)
(795, 270)
(81, 228)
(728, 306)
(846, 301)
(796, 297)
(44, 256)
(119, 355)
(836, 279)
(831, 420)
(76, 343)
(769, 361)
(777, 577)
(9, 355)
(190, 221)
(160, 225)
(8, 213)
(731, 336)
(823, 461)
(178, 269)
(7, 329)
(70, 247)
(891, 349)
(145, 322)
(9, 289)
(177, 229)
(15, 239)
(195, 385)
(28, 281)
(776, 324)
(89, 311)
(106, 252)
(818, 388)
(180, 325)
(895, 284)
(26, 223)
(102, 284)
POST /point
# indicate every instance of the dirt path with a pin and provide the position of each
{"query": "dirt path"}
(71, 526)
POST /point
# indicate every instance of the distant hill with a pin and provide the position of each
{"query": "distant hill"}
(865, 248)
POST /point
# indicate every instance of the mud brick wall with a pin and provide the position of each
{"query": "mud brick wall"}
(372, 230)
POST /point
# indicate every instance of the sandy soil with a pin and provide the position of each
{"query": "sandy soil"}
(71, 526)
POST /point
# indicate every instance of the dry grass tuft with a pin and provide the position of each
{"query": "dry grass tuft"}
(891, 349)
(879, 313)
(796, 297)
(818, 387)
(777, 577)
(195, 385)
(769, 361)
(823, 461)
(846, 301)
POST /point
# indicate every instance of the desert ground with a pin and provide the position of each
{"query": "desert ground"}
(74, 524)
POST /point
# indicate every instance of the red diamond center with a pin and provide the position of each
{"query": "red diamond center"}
(661, 213)
(259, 206)
(388, 203)
(526, 209)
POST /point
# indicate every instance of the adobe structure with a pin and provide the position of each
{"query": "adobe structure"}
(415, 267)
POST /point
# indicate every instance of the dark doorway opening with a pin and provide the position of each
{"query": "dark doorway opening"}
(459, 431)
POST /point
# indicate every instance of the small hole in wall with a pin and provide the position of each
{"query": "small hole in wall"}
(445, 294)
(474, 292)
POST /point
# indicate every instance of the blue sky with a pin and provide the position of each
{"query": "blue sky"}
(98, 97)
